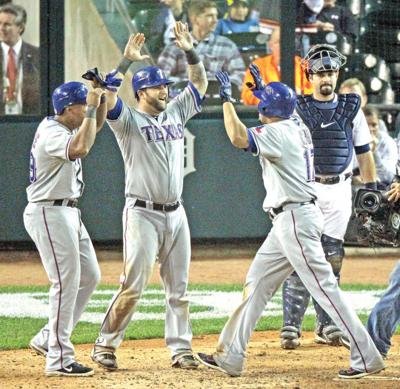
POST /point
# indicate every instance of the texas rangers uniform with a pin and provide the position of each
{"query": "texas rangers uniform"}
(294, 242)
(54, 223)
(155, 226)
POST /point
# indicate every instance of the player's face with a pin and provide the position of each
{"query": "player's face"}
(156, 97)
(76, 114)
(9, 31)
(324, 83)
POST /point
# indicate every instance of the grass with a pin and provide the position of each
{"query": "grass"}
(17, 332)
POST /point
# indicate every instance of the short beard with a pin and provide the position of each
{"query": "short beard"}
(326, 90)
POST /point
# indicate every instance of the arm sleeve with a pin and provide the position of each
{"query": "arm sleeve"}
(57, 143)
(267, 140)
(119, 125)
(361, 133)
(186, 104)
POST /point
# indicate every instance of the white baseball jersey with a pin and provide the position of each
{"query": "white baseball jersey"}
(153, 148)
(292, 180)
(52, 174)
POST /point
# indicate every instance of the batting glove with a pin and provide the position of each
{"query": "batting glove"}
(258, 83)
(225, 90)
(110, 82)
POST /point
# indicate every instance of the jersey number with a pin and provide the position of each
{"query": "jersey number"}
(309, 157)
(32, 169)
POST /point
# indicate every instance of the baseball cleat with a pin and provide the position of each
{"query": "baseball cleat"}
(209, 361)
(105, 359)
(184, 361)
(351, 374)
(39, 350)
(290, 338)
(73, 370)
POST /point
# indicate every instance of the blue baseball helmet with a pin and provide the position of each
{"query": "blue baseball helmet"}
(67, 94)
(149, 77)
(276, 99)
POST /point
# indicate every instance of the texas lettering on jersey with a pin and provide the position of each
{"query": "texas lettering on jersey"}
(171, 132)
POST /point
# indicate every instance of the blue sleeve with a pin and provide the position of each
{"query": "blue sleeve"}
(362, 149)
(196, 94)
(116, 111)
(252, 144)
(218, 29)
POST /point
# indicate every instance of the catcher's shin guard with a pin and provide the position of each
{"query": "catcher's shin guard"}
(295, 301)
(334, 254)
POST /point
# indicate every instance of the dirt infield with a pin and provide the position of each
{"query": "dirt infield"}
(146, 363)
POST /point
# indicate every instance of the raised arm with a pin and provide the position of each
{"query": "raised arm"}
(83, 140)
(234, 128)
(196, 70)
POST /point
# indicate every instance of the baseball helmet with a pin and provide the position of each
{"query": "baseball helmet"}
(322, 58)
(276, 99)
(67, 94)
(149, 77)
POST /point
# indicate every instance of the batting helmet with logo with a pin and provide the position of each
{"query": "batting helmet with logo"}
(322, 58)
(276, 99)
(149, 77)
(67, 94)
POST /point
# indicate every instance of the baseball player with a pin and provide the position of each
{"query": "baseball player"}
(54, 222)
(285, 150)
(339, 131)
(155, 227)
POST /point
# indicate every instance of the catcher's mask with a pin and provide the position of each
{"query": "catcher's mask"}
(322, 58)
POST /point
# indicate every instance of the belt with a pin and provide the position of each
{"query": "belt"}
(65, 203)
(273, 212)
(156, 206)
(332, 180)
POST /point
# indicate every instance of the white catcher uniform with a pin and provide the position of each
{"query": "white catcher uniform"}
(54, 223)
(153, 153)
(294, 242)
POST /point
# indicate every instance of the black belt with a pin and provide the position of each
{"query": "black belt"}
(332, 180)
(158, 207)
(276, 211)
(69, 203)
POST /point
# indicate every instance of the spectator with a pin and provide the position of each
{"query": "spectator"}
(269, 66)
(354, 85)
(19, 85)
(383, 147)
(237, 20)
(216, 52)
(337, 18)
(171, 12)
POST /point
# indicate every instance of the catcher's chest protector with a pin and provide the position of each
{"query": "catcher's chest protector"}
(331, 126)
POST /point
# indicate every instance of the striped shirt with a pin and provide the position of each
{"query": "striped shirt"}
(216, 52)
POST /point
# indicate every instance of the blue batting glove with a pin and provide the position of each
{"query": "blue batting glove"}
(225, 90)
(112, 82)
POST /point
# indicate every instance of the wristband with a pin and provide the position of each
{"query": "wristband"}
(124, 65)
(192, 57)
(91, 112)
(228, 100)
(371, 185)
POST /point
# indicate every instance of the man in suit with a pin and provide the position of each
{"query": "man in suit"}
(20, 80)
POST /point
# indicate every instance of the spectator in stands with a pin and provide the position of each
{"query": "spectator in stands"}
(269, 66)
(171, 12)
(337, 18)
(354, 85)
(383, 147)
(216, 52)
(237, 20)
(19, 83)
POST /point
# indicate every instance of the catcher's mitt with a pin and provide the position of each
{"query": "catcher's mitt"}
(109, 82)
